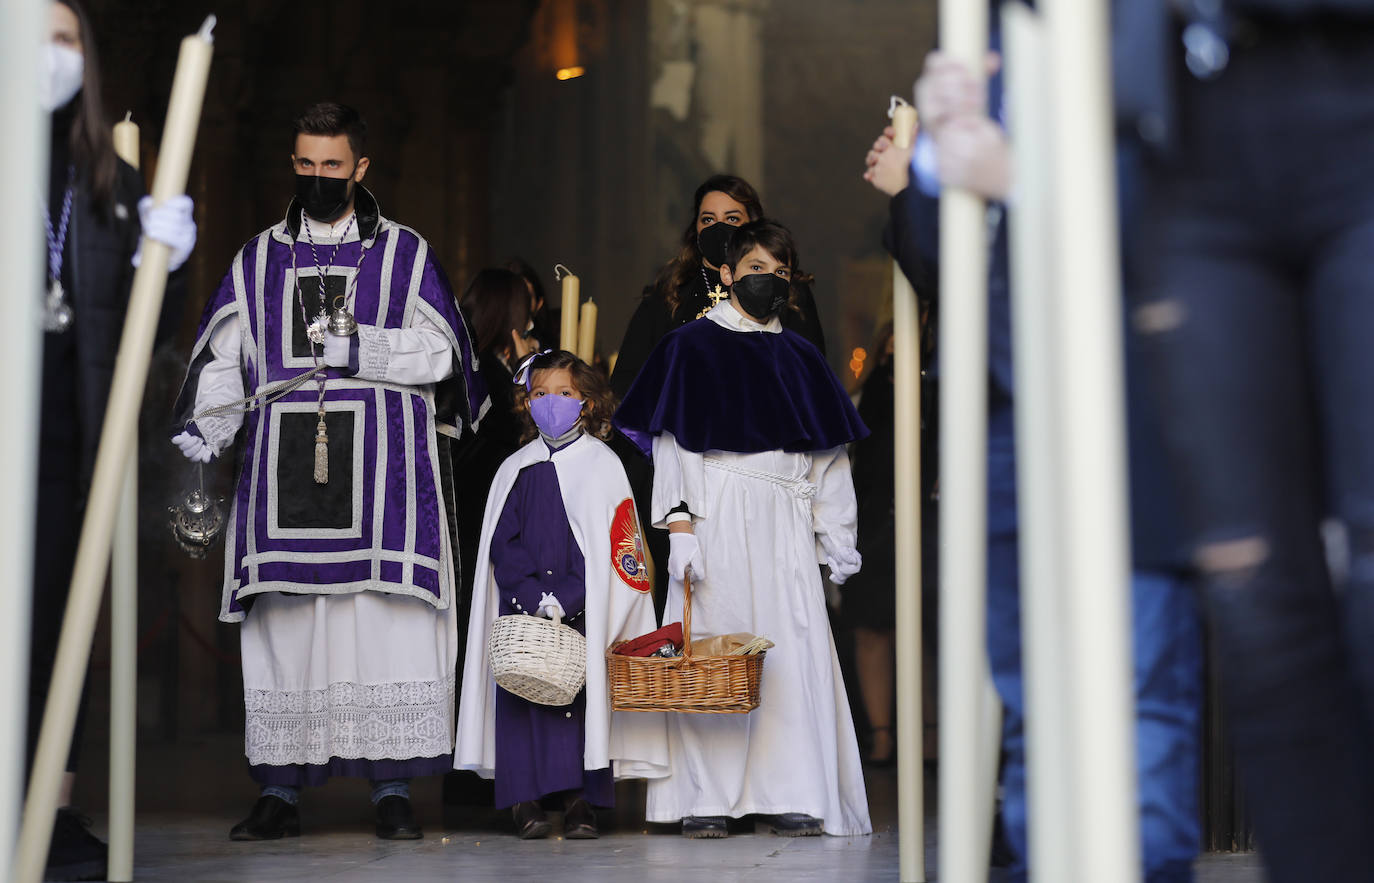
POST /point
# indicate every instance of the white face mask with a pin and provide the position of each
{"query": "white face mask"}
(61, 77)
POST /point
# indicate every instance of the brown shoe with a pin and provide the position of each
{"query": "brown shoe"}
(530, 821)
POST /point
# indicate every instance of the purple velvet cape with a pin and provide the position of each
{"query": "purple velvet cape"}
(378, 524)
(716, 389)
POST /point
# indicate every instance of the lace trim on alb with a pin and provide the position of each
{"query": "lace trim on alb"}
(396, 721)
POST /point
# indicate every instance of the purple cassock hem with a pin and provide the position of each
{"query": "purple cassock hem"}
(301, 775)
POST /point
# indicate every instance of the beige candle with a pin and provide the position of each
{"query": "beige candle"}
(567, 338)
(906, 359)
(586, 332)
(903, 124)
(126, 139)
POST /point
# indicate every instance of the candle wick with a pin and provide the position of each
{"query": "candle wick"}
(566, 272)
(206, 28)
(128, 116)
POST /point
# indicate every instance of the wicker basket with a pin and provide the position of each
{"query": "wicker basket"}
(686, 683)
(537, 659)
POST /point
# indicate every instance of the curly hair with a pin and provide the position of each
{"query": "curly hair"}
(686, 266)
(591, 383)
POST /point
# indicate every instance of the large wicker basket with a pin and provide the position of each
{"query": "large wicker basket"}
(538, 659)
(686, 683)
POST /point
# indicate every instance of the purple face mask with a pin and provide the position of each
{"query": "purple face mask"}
(555, 414)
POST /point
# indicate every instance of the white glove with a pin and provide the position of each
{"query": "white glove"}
(549, 605)
(684, 551)
(193, 447)
(843, 564)
(172, 224)
(337, 350)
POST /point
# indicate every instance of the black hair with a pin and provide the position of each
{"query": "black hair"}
(91, 142)
(496, 303)
(329, 118)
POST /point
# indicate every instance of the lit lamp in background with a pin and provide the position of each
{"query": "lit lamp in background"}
(856, 361)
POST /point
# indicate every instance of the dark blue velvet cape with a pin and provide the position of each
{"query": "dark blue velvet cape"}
(716, 389)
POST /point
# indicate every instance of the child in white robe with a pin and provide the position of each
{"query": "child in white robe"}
(560, 536)
(748, 427)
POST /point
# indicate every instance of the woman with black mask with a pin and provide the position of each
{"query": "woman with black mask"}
(94, 216)
(689, 284)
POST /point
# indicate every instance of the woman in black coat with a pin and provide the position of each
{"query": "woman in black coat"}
(95, 215)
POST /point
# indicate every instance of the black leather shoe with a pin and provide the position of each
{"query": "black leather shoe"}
(75, 853)
(579, 821)
(530, 821)
(271, 819)
(396, 820)
(795, 824)
(705, 827)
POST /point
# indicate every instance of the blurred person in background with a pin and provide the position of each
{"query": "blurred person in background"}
(1255, 307)
(94, 213)
(962, 144)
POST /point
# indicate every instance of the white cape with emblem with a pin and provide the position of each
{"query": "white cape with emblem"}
(594, 489)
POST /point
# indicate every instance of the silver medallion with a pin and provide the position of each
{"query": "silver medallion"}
(57, 313)
(318, 328)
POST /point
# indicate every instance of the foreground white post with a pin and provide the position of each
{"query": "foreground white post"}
(963, 491)
(1096, 565)
(1050, 756)
(906, 376)
(24, 137)
(124, 632)
(121, 419)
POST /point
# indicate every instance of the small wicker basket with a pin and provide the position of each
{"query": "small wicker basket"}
(537, 659)
(686, 683)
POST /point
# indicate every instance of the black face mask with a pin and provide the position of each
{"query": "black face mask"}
(761, 294)
(713, 240)
(324, 199)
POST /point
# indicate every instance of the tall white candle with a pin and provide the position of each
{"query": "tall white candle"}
(906, 354)
(966, 796)
(586, 333)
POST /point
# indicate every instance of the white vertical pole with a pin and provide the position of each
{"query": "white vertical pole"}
(906, 373)
(124, 678)
(25, 138)
(1050, 754)
(1096, 554)
(963, 491)
(124, 634)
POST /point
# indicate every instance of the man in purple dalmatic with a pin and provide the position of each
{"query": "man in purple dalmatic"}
(337, 554)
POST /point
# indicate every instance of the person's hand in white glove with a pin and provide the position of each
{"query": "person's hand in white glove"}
(550, 605)
(171, 223)
(843, 564)
(337, 349)
(684, 551)
(193, 447)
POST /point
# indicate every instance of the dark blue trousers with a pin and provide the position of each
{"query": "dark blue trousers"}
(1167, 654)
